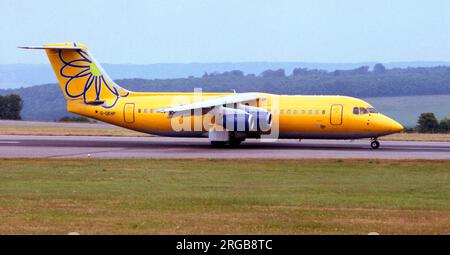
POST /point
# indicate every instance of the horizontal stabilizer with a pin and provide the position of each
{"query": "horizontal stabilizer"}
(51, 47)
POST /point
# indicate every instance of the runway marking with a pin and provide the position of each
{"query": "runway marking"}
(82, 155)
(13, 142)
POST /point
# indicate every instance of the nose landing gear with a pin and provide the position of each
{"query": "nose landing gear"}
(374, 144)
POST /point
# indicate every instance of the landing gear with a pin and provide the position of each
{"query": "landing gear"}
(221, 144)
(218, 144)
(235, 142)
(374, 144)
(220, 139)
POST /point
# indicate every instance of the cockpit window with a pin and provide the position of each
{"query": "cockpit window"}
(355, 110)
(372, 110)
(363, 110)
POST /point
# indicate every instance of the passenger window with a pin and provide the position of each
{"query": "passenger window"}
(323, 112)
(295, 112)
(303, 112)
(363, 110)
(317, 112)
(310, 112)
(355, 110)
(151, 110)
(139, 110)
(288, 112)
(281, 112)
(145, 110)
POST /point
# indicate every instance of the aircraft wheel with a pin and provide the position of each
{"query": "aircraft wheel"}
(235, 142)
(218, 144)
(375, 144)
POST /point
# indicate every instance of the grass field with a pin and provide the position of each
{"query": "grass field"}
(417, 137)
(224, 196)
(68, 131)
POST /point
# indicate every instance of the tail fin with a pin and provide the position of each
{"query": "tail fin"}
(80, 76)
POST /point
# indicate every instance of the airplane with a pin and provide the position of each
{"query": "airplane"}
(227, 119)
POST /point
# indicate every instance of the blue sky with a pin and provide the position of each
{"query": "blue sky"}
(168, 31)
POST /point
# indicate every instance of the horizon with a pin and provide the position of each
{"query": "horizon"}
(11, 75)
(370, 62)
(178, 31)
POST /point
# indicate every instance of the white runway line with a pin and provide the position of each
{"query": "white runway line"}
(9, 142)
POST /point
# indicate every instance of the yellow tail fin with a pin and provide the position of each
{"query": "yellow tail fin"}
(80, 76)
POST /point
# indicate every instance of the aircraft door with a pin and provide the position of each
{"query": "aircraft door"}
(128, 113)
(336, 114)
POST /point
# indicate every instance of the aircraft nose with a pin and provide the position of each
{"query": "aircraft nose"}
(396, 127)
(390, 125)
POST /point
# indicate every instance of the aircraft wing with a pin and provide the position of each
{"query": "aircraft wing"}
(210, 103)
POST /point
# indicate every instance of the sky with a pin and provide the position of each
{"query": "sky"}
(179, 31)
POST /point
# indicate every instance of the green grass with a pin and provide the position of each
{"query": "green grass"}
(146, 196)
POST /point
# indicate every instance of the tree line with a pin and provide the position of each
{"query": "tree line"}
(358, 82)
(428, 123)
(10, 107)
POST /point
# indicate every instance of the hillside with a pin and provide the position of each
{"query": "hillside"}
(45, 102)
(26, 75)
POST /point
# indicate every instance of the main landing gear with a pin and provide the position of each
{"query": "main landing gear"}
(233, 142)
(374, 144)
(218, 144)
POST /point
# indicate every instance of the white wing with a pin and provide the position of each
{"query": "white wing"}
(207, 104)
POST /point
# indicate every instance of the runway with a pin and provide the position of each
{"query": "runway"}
(162, 147)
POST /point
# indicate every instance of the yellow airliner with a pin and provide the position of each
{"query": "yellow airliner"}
(225, 118)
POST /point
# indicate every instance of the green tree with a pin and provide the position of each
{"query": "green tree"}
(427, 123)
(10, 107)
(444, 125)
(379, 68)
(273, 73)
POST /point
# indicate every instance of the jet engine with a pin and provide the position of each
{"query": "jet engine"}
(235, 120)
(263, 118)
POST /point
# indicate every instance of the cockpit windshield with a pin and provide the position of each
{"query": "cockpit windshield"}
(372, 110)
(363, 110)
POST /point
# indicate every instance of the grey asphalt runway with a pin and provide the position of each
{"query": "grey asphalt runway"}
(162, 147)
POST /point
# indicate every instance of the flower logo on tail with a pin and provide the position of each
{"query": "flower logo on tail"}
(85, 79)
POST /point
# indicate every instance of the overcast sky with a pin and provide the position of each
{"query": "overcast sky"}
(168, 31)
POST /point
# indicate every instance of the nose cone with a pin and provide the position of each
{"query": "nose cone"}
(391, 126)
(396, 127)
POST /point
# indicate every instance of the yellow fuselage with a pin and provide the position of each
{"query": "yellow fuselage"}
(89, 91)
(327, 117)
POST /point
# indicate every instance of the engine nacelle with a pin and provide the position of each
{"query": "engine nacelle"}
(235, 120)
(263, 118)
